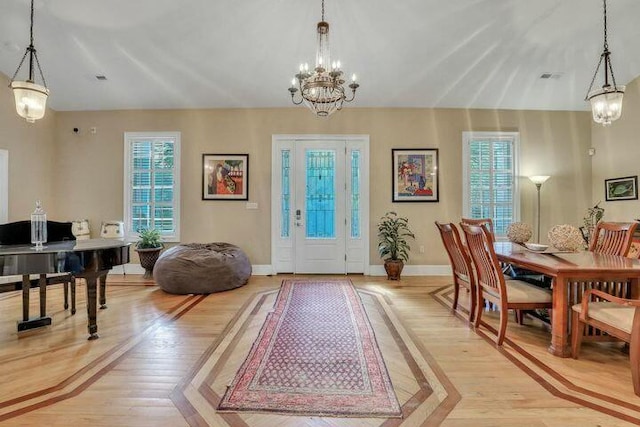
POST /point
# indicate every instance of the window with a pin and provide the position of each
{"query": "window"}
(152, 184)
(490, 187)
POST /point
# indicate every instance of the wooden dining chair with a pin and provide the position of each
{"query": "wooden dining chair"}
(613, 238)
(618, 317)
(487, 222)
(463, 274)
(491, 284)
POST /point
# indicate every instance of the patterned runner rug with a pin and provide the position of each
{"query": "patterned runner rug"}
(315, 355)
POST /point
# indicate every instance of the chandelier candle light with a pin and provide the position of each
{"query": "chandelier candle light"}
(322, 89)
(31, 98)
(606, 103)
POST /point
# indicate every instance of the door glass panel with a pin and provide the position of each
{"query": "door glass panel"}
(355, 194)
(285, 200)
(320, 194)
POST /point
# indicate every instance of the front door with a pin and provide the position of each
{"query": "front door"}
(319, 205)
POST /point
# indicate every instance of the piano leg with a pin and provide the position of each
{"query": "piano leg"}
(92, 279)
(92, 295)
(103, 292)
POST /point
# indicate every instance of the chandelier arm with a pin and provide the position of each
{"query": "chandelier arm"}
(44, 82)
(594, 78)
(19, 66)
(294, 101)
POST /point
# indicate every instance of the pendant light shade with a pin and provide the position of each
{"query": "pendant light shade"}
(31, 100)
(606, 104)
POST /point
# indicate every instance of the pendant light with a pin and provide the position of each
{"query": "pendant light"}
(30, 97)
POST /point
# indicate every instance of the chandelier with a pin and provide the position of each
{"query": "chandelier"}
(31, 98)
(606, 103)
(322, 89)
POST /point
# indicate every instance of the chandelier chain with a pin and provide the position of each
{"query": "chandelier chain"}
(606, 44)
(322, 10)
(31, 28)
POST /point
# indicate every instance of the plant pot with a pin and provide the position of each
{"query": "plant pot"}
(393, 267)
(148, 258)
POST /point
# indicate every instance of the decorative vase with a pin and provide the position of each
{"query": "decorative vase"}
(393, 267)
(565, 237)
(519, 232)
(148, 258)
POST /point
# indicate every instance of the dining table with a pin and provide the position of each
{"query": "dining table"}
(572, 273)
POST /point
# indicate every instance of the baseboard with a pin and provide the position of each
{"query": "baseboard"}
(267, 270)
(414, 270)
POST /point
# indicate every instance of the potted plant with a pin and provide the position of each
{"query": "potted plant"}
(148, 248)
(393, 247)
(591, 219)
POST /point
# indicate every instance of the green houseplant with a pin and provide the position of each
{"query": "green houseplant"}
(149, 247)
(591, 219)
(393, 232)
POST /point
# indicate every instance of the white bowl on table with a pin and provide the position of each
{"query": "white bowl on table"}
(538, 247)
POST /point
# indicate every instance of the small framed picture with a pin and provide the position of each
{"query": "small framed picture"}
(225, 177)
(415, 175)
(621, 188)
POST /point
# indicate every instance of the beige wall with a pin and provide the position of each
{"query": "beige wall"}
(32, 151)
(89, 167)
(618, 155)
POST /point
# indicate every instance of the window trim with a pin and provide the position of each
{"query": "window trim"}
(129, 138)
(469, 136)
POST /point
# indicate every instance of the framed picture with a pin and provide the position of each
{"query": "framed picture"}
(225, 177)
(415, 175)
(621, 188)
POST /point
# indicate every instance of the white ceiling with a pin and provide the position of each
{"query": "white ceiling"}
(243, 53)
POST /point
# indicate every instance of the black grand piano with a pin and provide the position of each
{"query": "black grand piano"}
(87, 259)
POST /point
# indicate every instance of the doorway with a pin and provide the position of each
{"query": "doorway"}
(320, 204)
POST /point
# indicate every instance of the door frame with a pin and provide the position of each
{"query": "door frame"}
(282, 249)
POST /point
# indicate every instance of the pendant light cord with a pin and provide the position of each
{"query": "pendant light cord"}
(323, 10)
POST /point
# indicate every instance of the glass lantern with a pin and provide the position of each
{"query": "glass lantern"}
(38, 227)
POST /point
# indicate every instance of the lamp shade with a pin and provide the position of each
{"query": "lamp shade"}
(31, 100)
(539, 179)
(606, 104)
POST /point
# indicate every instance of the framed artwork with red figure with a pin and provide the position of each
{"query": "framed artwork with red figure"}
(415, 175)
(225, 177)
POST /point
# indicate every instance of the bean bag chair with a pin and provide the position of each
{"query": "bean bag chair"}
(201, 268)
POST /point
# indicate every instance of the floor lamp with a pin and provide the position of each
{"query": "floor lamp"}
(538, 180)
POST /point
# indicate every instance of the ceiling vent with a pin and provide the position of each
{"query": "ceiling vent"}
(546, 76)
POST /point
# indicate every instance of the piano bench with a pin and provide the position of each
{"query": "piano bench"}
(14, 283)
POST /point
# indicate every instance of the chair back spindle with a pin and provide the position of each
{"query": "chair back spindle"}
(613, 238)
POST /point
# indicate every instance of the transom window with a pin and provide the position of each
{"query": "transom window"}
(152, 184)
(490, 178)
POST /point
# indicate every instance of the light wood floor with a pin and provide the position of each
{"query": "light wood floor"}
(152, 344)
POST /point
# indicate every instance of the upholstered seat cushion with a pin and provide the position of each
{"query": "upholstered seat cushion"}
(522, 292)
(201, 268)
(609, 313)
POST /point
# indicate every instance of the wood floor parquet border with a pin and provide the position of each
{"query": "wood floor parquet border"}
(80, 381)
(183, 398)
(550, 379)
